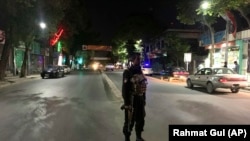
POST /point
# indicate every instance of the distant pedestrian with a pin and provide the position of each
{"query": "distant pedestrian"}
(225, 64)
(201, 66)
(236, 68)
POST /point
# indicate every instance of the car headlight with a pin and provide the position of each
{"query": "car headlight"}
(95, 66)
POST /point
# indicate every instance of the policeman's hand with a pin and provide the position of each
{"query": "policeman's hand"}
(128, 107)
(123, 107)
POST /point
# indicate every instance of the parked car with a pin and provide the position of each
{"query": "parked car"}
(147, 70)
(109, 66)
(53, 71)
(66, 68)
(213, 78)
(175, 72)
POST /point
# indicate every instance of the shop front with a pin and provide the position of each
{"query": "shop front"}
(19, 55)
(232, 51)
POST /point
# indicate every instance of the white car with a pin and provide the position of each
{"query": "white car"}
(146, 70)
(212, 78)
(66, 68)
(109, 66)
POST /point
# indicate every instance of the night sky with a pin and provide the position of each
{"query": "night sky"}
(106, 16)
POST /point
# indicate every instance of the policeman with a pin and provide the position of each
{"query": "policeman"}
(134, 101)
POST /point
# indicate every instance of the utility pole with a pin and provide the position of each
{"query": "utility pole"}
(227, 40)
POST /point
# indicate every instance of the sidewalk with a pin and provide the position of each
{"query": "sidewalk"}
(11, 80)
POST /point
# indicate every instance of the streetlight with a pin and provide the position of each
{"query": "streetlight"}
(205, 6)
(43, 26)
(227, 39)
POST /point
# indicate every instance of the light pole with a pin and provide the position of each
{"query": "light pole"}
(227, 39)
(207, 5)
(43, 26)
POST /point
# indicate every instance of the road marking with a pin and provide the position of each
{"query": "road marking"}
(114, 89)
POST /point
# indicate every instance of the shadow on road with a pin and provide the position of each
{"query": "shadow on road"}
(216, 92)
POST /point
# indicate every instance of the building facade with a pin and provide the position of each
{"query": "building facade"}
(230, 49)
(156, 54)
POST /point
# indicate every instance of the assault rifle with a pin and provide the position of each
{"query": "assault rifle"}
(130, 111)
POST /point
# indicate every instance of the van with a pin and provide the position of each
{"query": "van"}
(147, 70)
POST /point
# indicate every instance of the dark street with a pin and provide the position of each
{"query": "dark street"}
(83, 106)
(73, 108)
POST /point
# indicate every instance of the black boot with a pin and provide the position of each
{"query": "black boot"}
(138, 137)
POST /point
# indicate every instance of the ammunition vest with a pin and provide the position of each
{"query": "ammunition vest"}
(139, 84)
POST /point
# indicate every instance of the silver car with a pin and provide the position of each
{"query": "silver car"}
(212, 78)
(66, 68)
(109, 66)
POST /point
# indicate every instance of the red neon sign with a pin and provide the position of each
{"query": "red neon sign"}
(56, 37)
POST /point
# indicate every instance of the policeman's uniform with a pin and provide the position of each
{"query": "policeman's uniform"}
(136, 100)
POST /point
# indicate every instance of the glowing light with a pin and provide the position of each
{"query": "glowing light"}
(60, 59)
(56, 37)
(59, 46)
(205, 5)
(42, 25)
(95, 66)
(64, 60)
(80, 60)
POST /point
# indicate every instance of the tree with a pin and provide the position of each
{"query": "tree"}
(11, 22)
(53, 12)
(119, 50)
(219, 8)
(176, 48)
(188, 14)
(21, 24)
(75, 23)
(133, 29)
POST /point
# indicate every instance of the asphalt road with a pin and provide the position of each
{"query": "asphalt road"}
(74, 108)
(173, 103)
(83, 107)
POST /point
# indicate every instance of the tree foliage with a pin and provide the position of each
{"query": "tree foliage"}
(52, 11)
(21, 23)
(119, 50)
(136, 27)
(176, 48)
(188, 13)
(219, 8)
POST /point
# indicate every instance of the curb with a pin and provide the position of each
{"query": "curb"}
(175, 82)
(17, 80)
(114, 89)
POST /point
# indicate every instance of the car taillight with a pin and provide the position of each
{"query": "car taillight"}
(222, 80)
(175, 73)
